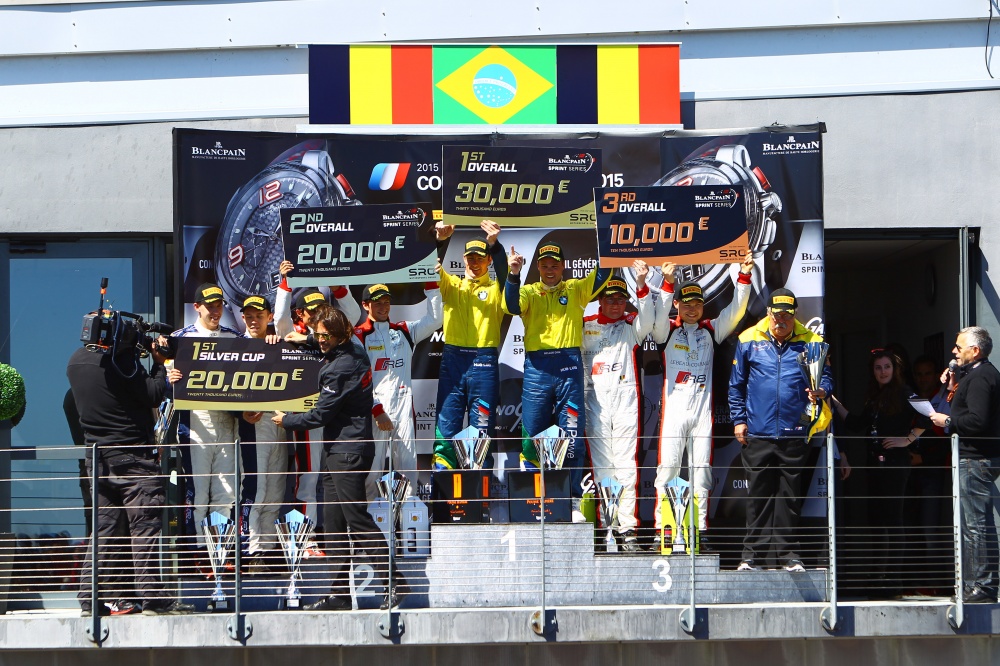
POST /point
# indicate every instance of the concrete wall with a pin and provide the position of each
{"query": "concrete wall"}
(138, 61)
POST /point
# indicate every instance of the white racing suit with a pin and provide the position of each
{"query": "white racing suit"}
(272, 464)
(212, 439)
(686, 409)
(390, 350)
(309, 443)
(612, 351)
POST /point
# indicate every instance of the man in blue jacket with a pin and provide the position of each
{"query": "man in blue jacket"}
(769, 405)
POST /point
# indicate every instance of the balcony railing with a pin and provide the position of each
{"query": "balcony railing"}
(457, 545)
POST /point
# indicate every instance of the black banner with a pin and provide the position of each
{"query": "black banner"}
(245, 374)
(359, 244)
(224, 186)
(520, 186)
(686, 225)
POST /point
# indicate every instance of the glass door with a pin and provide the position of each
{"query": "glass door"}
(50, 287)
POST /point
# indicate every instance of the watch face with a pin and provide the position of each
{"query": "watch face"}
(249, 248)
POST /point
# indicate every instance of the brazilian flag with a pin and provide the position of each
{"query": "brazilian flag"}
(494, 85)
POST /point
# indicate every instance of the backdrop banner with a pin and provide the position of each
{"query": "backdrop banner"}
(231, 188)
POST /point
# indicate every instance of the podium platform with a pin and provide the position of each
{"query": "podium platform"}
(501, 565)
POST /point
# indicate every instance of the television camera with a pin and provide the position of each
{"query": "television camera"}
(122, 333)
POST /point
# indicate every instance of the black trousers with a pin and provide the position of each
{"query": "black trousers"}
(889, 556)
(346, 519)
(774, 470)
(132, 485)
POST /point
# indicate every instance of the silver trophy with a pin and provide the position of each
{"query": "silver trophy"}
(220, 539)
(551, 445)
(811, 362)
(164, 415)
(678, 499)
(609, 492)
(293, 535)
(472, 445)
(394, 488)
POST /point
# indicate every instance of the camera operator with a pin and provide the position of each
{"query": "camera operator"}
(115, 397)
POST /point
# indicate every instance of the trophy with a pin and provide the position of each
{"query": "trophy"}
(394, 485)
(220, 539)
(293, 534)
(395, 488)
(811, 362)
(164, 415)
(609, 492)
(679, 500)
(472, 445)
(552, 444)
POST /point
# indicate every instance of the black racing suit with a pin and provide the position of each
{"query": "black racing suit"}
(344, 410)
(116, 414)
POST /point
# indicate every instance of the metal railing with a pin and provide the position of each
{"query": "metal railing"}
(456, 546)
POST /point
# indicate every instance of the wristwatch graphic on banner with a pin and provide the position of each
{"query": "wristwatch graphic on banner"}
(249, 247)
(728, 165)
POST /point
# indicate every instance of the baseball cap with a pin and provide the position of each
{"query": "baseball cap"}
(476, 246)
(375, 292)
(689, 291)
(783, 299)
(615, 286)
(551, 250)
(309, 299)
(209, 292)
(256, 302)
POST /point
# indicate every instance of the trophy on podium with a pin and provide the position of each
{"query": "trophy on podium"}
(293, 535)
(394, 488)
(471, 445)
(609, 493)
(551, 445)
(678, 505)
(220, 539)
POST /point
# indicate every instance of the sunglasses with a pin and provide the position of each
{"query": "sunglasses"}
(323, 336)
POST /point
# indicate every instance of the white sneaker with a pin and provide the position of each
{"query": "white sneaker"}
(747, 565)
(795, 566)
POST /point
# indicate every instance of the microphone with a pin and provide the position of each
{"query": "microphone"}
(952, 373)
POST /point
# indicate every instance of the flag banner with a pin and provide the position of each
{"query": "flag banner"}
(245, 374)
(520, 186)
(359, 244)
(699, 224)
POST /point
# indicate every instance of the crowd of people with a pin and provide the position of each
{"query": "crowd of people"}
(582, 374)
